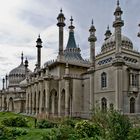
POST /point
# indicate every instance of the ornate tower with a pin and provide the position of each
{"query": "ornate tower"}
(117, 24)
(139, 32)
(39, 46)
(118, 62)
(107, 33)
(61, 25)
(92, 39)
(26, 67)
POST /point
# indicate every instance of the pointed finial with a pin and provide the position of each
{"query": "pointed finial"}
(108, 27)
(92, 22)
(61, 10)
(71, 20)
(39, 36)
(22, 58)
(118, 3)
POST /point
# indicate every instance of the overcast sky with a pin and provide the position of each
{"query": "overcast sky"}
(22, 20)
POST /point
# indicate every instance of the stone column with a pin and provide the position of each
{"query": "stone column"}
(92, 102)
(26, 104)
(41, 94)
(59, 100)
(67, 94)
(47, 89)
(2, 102)
(119, 88)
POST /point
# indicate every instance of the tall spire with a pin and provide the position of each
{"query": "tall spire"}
(22, 58)
(61, 24)
(107, 33)
(39, 46)
(139, 31)
(117, 24)
(92, 39)
(71, 41)
(71, 27)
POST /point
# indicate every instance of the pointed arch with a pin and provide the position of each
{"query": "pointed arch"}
(63, 102)
(132, 105)
(27, 102)
(43, 101)
(104, 104)
(38, 102)
(53, 105)
(35, 103)
(11, 104)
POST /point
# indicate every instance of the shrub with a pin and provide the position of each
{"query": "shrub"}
(15, 121)
(11, 133)
(69, 121)
(113, 124)
(134, 134)
(63, 132)
(118, 126)
(45, 124)
(87, 129)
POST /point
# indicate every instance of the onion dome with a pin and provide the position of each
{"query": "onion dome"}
(17, 74)
(61, 19)
(107, 33)
(72, 52)
(109, 44)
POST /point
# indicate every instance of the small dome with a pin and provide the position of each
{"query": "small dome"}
(109, 44)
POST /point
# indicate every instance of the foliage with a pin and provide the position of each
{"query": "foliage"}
(114, 125)
(118, 126)
(87, 129)
(69, 121)
(134, 134)
(46, 124)
(63, 132)
(11, 133)
(15, 121)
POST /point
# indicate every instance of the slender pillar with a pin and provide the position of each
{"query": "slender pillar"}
(59, 100)
(61, 25)
(117, 24)
(39, 46)
(92, 39)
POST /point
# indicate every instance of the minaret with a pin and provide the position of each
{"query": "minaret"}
(92, 39)
(61, 25)
(26, 67)
(3, 83)
(139, 32)
(22, 58)
(39, 46)
(6, 79)
(107, 33)
(117, 24)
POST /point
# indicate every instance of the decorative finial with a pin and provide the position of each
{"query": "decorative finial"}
(39, 36)
(108, 27)
(71, 20)
(61, 10)
(92, 22)
(22, 58)
(118, 3)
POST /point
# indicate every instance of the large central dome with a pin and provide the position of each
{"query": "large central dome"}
(109, 44)
(17, 74)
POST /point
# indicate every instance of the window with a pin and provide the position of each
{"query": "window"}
(103, 80)
(132, 105)
(134, 80)
(104, 104)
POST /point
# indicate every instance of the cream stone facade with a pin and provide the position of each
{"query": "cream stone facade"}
(71, 86)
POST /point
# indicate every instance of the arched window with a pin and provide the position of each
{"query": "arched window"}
(104, 104)
(103, 80)
(132, 105)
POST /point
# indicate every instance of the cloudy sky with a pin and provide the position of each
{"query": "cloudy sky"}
(22, 20)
